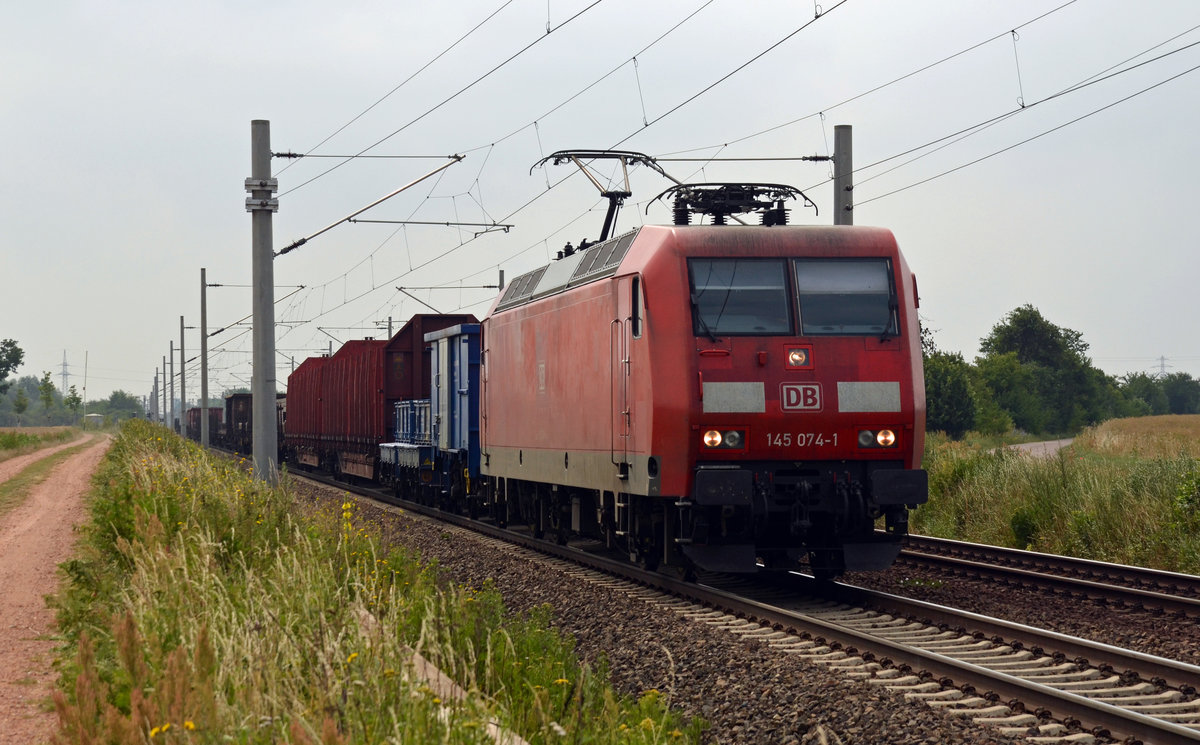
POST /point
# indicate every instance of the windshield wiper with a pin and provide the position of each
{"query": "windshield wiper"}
(892, 330)
(700, 319)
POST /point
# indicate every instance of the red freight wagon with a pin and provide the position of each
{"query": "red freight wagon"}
(340, 406)
(214, 422)
(238, 433)
(352, 407)
(408, 367)
(302, 433)
(238, 414)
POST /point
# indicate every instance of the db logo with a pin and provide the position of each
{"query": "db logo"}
(800, 397)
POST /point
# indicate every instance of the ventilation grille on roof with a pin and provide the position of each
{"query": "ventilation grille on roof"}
(521, 289)
(595, 262)
(602, 259)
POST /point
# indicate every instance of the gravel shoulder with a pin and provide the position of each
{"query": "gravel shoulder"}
(34, 539)
(748, 692)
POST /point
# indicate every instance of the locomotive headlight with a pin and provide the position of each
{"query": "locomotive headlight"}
(797, 357)
(729, 439)
(884, 438)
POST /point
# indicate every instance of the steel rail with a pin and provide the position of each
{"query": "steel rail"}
(1168, 602)
(1120, 723)
(1175, 582)
(1172, 673)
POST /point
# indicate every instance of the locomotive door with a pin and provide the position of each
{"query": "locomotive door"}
(624, 329)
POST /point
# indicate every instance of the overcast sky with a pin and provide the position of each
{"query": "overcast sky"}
(125, 128)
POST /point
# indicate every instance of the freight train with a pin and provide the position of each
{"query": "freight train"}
(722, 397)
(215, 423)
(339, 407)
(237, 433)
(232, 427)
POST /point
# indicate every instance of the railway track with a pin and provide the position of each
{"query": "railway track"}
(1019, 671)
(1024, 681)
(1116, 584)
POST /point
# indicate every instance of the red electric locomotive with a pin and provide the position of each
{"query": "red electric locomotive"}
(717, 396)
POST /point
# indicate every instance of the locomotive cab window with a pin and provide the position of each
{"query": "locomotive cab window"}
(739, 296)
(853, 297)
(635, 316)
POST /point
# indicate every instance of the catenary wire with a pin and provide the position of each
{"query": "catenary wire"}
(1035, 137)
(402, 83)
(451, 97)
(538, 196)
(980, 126)
(882, 86)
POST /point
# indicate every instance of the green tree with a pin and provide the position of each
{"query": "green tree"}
(928, 345)
(10, 359)
(1182, 392)
(949, 405)
(1040, 374)
(990, 418)
(73, 401)
(1016, 389)
(20, 404)
(119, 405)
(1142, 387)
(46, 392)
(1035, 340)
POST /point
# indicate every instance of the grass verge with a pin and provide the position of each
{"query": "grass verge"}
(202, 609)
(21, 440)
(14, 491)
(1127, 491)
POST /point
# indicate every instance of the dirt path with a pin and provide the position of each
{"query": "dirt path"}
(1043, 449)
(34, 538)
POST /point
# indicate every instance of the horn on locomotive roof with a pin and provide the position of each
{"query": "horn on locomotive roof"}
(615, 198)
(725, 200)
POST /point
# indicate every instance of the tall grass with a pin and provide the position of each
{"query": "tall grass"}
(16, 489)
(21, 440)
(1124, 492)
(1145, 437)
(204, 610)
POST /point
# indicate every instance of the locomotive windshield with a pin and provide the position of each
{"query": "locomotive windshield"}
(740, 296)
(835, 297)
(845, 297)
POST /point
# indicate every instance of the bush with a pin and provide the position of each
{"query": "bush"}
(1082, 502)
